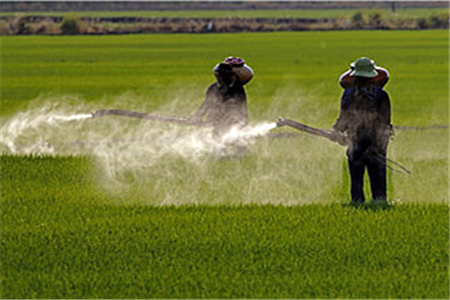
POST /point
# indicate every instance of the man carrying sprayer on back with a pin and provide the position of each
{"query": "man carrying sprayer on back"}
(225, 104)
(224, 107)
(364, 125)
(365, 120)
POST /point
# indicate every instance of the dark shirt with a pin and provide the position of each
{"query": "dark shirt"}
(223, 108)
(366, 118)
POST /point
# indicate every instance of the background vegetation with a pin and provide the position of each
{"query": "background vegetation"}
(119, 22)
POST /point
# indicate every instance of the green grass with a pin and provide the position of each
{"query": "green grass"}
(299, 67)
(273, 224)
(293, 13)
(60, 241)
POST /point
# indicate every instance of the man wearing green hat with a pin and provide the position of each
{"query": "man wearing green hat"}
(365, 118)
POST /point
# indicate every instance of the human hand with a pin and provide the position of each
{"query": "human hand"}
(339, 137)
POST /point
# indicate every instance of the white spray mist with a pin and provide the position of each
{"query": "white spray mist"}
(120, 145)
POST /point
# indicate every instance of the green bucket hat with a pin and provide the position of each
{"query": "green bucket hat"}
(363, 67)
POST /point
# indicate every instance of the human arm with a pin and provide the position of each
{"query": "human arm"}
(342, 122)
(383, 126)
(339, 128)
(199, 115)
(385, 113)
(242, 102)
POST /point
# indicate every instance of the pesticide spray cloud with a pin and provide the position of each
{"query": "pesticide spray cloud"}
(70, 118)
(30, 131)
(122, 147)
(146, 162)
(161, 163)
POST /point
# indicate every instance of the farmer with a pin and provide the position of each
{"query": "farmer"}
(365, 120)
(225, 104)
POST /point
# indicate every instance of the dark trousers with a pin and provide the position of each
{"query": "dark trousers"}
(376, 167)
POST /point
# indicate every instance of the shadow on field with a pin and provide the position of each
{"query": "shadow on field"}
(370, 206)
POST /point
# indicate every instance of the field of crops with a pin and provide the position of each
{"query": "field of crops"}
(100, 214)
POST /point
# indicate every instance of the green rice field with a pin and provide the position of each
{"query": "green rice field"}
(124, 208)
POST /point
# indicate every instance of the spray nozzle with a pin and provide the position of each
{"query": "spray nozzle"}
(100, 113)
(281, 122)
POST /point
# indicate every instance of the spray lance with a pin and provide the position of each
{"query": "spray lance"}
(334, 136)
(139, 115)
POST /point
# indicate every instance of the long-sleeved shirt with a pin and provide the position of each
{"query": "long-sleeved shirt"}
(365, 116)
(223, 108)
